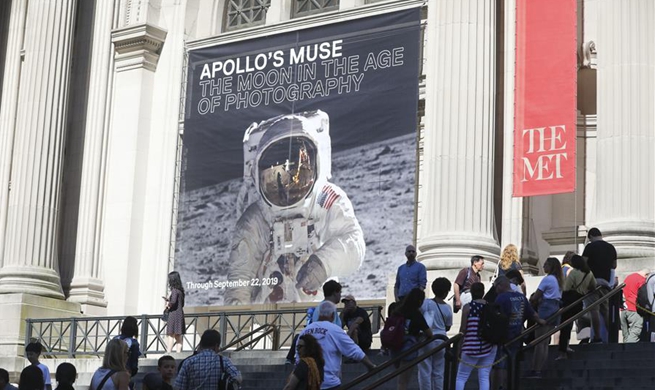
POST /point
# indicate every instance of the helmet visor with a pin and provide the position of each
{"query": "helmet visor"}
(287, 171)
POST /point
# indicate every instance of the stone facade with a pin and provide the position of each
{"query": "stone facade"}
(90, 131)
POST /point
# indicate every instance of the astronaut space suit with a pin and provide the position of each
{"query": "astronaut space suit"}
(297, 229)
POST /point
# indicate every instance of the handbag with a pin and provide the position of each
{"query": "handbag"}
(164, 316)
(570, 296)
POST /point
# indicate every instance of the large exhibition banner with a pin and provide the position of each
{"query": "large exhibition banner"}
(299, 162)
(545, 109)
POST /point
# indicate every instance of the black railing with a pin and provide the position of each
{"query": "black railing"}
(81, 336)
(514, 360)
(364, 377)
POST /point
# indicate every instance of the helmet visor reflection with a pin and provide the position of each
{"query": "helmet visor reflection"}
(287, 171)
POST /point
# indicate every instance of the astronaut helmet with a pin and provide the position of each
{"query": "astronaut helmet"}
(291, 157)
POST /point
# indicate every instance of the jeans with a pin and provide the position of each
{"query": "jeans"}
(484, 369)
(431, 370)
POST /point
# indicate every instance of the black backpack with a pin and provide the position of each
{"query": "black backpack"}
(643, 300)
(493, 324)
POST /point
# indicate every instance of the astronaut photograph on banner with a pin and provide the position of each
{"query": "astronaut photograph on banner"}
(295, 228)
(293, 173)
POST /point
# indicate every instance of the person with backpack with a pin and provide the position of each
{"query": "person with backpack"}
(475, 352)
(547, 300)
(649, 319)
(409, 325)
(129, 333)
(517, 309)
(632, 322)
(579, 282)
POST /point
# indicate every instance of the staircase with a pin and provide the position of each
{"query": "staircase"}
(591, 367)
(597, 367)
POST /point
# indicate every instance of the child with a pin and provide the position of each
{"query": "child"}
(66, 375)
(163, 380)
(32, 353)
(129, 332)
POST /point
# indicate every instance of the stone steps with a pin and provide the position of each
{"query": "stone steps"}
(591, 367)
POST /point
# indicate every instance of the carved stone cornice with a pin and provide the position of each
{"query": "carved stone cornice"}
(137, 47)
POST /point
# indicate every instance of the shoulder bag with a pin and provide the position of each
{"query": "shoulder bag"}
(225, 381)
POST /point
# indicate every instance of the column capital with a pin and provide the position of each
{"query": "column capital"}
(138, 46)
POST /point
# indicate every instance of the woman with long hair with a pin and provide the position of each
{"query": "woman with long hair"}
(566, 263)
(578, 283)
(547, 299)
(415, 326)
(509, 260)
(175, 327)
(113, 374)
(308, 374)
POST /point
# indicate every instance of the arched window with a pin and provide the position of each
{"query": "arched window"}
(245, 13)
(308, 7)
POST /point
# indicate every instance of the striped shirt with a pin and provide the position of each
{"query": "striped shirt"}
(473, 344)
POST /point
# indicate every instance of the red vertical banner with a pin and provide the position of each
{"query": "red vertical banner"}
(545, 98)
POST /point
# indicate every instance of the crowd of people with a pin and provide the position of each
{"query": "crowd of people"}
(331, 339)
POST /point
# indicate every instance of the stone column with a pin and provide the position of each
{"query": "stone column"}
(30, 252)
(458, 219)
(87, 287)
(137, 51)
(625, 211)
(9, 105)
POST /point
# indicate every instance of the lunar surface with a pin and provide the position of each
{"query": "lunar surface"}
(379, 180)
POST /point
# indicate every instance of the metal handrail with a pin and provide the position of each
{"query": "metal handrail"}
(556, 329)
(549, 319)
(398, 358)
(90, 335)
(248, 335)
(514, 360)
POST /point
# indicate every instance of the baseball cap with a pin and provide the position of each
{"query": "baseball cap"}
(348, 297)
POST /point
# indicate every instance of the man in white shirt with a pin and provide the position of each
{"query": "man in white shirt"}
(335, 344)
